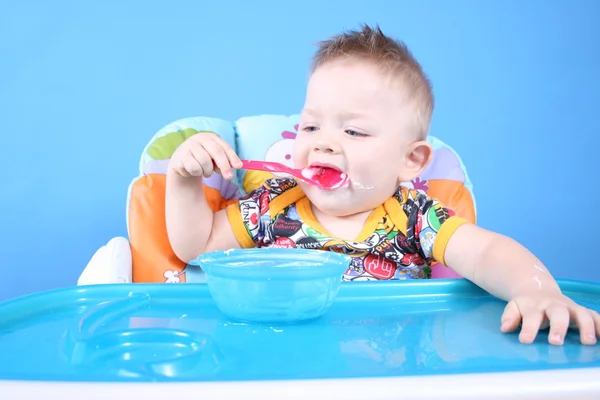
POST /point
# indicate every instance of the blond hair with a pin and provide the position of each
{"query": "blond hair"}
(372, 45)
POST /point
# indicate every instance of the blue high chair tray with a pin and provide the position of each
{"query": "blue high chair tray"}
(175, 333)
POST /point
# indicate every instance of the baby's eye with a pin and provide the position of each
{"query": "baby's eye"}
(350, 132)
(309, 128)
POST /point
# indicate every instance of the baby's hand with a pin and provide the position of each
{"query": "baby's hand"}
(205, 153)
(537, 311)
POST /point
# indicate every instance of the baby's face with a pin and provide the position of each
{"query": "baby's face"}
(353, 120)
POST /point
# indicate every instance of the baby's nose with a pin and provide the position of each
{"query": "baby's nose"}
(325, 146)
(323, 149)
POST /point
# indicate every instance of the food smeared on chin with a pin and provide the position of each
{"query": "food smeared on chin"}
(326, 177)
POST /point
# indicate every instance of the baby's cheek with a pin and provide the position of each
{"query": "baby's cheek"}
(369, 171)
(299, 155)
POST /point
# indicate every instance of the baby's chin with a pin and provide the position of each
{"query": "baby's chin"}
(347, 187)
(340, 202)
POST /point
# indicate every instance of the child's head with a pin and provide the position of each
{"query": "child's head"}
(367, 112)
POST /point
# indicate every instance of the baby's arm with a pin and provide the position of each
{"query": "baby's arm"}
(191, 226)
(496, 263)
(509, 271)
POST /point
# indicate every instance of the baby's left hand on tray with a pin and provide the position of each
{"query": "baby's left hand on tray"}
(535, 311)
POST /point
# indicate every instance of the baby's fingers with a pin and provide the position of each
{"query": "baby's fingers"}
(219, 157)
(596, 318)
(234, 160)
(511, 318)
(559, 324)
(584, 319)
(180, 168)
(532, 322)
(198, 162)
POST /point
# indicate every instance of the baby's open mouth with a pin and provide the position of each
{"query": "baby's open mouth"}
(328, 178)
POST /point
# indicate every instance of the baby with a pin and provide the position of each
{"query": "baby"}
(367, 112)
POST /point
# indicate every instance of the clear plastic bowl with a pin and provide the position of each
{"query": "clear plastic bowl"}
(274, 284)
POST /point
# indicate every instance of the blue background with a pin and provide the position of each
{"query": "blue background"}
(83, 86)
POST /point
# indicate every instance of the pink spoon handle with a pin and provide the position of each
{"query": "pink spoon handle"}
(270, 167)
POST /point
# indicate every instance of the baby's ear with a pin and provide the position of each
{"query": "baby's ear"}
(418, 155)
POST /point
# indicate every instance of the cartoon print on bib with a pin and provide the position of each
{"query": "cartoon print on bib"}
(388, 252)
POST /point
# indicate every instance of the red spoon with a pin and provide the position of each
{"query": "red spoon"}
(322, 177)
